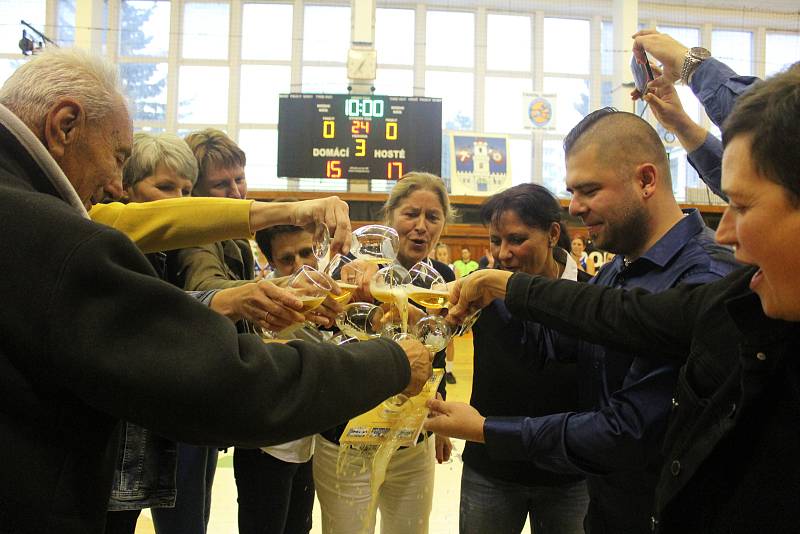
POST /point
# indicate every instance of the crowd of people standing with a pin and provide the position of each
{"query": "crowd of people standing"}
(656, 393)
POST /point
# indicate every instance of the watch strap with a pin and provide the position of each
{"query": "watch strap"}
(690, 64)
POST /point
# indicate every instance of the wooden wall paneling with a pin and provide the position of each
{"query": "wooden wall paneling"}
(365, 209)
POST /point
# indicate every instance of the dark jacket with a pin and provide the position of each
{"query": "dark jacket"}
(90, 336)
(220, 265)
(513, 375)
(732, 447)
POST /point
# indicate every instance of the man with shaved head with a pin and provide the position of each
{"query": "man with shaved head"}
(618, 174)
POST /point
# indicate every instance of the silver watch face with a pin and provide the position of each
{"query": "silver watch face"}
(698, 52)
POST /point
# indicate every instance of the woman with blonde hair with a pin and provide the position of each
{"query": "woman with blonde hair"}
(418, 208)
(442, 253)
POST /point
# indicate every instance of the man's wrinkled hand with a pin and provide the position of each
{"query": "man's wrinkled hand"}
(331, 211)
(444, 448)
(420, 359)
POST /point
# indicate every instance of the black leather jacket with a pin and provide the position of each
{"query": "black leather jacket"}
(732, 448)
(80, 350)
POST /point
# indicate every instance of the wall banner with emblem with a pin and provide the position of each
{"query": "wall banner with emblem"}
(539, 111)
(479, 163)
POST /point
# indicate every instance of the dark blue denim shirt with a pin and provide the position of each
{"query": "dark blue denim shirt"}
(717, 86)
(626, 398)
(144, 476)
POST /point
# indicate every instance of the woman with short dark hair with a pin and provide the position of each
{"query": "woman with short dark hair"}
(512, 376)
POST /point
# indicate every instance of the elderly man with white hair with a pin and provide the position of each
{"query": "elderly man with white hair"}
(79, 353)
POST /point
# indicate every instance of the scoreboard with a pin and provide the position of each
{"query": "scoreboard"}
(358, 136)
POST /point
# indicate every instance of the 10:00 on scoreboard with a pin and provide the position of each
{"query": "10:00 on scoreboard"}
(358, 136)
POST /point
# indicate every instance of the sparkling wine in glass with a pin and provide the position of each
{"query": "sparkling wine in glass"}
(347, 276)
(427, 288)
(389, 285)
(310, 286)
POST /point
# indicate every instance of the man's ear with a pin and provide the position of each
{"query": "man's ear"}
(647, 177)
(63, 126)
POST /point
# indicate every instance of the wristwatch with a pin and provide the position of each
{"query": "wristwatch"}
(694, 56)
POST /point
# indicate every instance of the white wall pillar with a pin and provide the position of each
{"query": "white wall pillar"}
(760, 52)
(626, 23)
(537, 69)
(479, 80)
(298, 20)
(362, 35)
(88, 24)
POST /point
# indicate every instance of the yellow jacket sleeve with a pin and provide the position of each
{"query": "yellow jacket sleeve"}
(177, 223)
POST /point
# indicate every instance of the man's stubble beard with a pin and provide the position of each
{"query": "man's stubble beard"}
(628, 235)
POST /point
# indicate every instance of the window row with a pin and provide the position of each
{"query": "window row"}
(144, 29)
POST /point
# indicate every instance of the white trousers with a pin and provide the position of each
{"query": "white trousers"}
(404, 499)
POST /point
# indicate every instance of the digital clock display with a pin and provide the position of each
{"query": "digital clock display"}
(367, 108)
(367, 137)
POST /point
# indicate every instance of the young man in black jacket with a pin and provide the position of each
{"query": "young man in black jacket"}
(732, 447)
(81, 348)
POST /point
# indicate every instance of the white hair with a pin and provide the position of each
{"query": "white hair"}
(152, 150)
(56, 73)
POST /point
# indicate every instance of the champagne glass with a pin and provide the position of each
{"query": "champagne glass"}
(342, 339)
(360, 320)
(389, 285)
(427, 288)
(391, 329)
(433, 332)
(389, 282)
(468, 323)
(375, 243)
(310, 286)
(268, 272)
(320, 239)
(347, 276)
